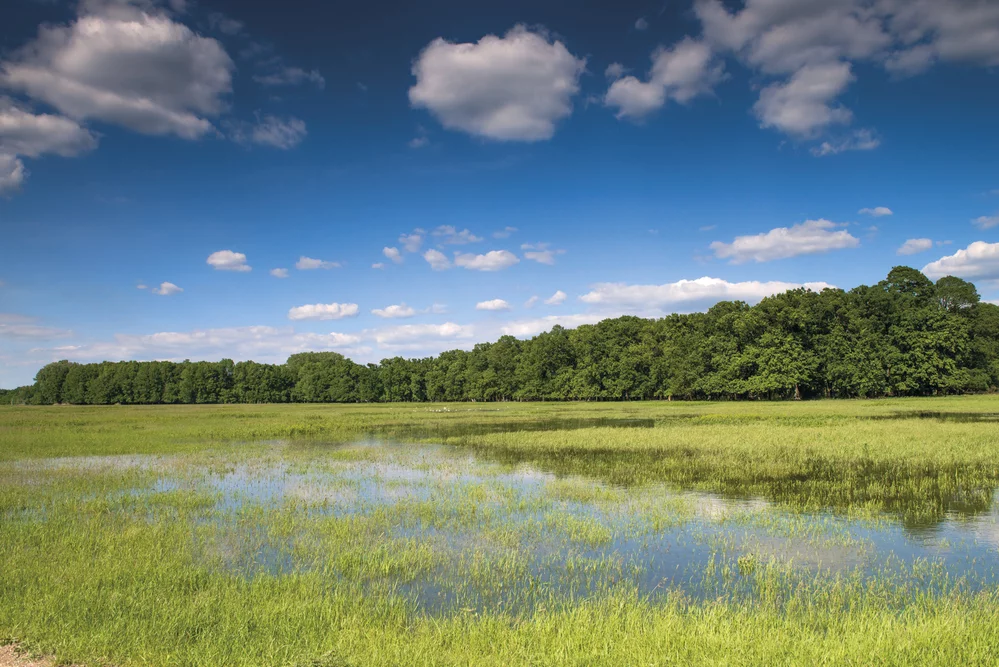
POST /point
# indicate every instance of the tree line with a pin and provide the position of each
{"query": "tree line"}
(905, 336)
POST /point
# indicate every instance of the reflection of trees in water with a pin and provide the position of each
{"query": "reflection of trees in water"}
(920, 495)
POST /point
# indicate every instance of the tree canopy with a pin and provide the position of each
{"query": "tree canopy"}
(905, 336)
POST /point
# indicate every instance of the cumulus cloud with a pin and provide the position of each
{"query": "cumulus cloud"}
(438, 261)
(167, 289)
(679, 73)
(877, 211)
(557, 299)
(511, 88)
(915, 246)
(26, 134)
(615, 71)
(685, 292)
(494, 260)
(816, 41)
(803, 106)
(31, 135)
(540, 252)
(393, 254)
(449, 235)
(412, 242)
(807, 238)
(979, 261)
(279, 273)
(530, 303)
(394, 311)
(493, 305)
(227, 260)
(986, 221)
(128, 65)
(311, 264)
(323, 311)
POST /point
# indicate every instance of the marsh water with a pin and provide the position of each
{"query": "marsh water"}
(458, 529)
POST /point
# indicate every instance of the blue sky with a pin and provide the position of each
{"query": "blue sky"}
(559, 163)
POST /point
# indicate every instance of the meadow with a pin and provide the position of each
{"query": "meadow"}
(645, 533)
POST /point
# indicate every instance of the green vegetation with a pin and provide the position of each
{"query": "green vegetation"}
(905, 336)
(823, 532)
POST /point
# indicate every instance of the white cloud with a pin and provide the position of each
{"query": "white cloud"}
(858, 140)
(22, 327)
(438, 261)
(311, 264)
(642, 24)
(282, 133)
(541, 253)
(378, 265)
(12, 174)
(167, 289)
(511, 88)
(816, 42)
(394, 311)
(615, 71)
(530, 303)
(420, 336)
(393, 254)
(412, 242)
(259, 343)
(291, 76)
(877, 212)
(915, 246)
(524, 328)
(679, 73)
(493, 305)
(802, 105)
(449, 235)
(504, 233)
(323, 311)
(227, 260)
(686, 292)
(980, 260)
(418, 142)
(807, 238)
(960, 31)
(494, 260)
(279, 273)
(986, 221)
(557, 299)
(128, 66)
(31, 135)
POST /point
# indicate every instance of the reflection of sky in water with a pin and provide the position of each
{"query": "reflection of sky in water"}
(652, 537)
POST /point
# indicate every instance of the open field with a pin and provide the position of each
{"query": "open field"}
(847, 532)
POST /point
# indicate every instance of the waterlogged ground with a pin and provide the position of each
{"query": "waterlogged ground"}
(641, 534)
(446, 530)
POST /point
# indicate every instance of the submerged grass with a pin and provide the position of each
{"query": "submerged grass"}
(262, 535)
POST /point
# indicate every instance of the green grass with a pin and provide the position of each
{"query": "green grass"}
(120, 544)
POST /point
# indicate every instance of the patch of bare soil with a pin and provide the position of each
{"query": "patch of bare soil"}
(10, 656)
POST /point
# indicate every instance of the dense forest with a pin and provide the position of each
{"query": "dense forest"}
(905, 336)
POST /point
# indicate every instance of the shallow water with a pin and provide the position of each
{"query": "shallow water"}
(494, 533)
